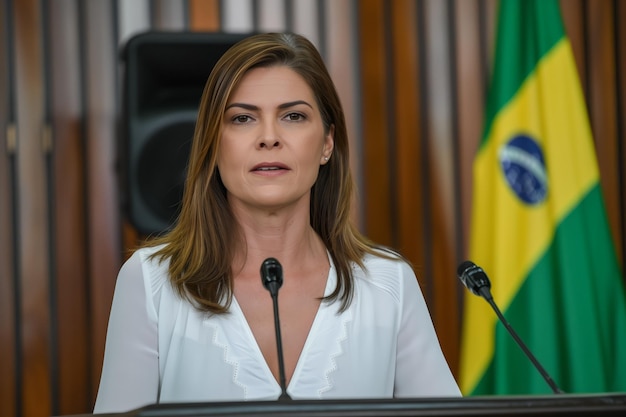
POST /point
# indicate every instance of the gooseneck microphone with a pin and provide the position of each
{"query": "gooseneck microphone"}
(272, 278)
(476, 280)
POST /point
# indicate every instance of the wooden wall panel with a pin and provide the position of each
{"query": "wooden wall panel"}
(620, 16)
(472, 84)
(573, 12)
(8, 351)
(69, 242)
(169, 15)
(603, 107)
(33, 209)
(376, 196)
(441, 173)
(204, 15)
(8, 336)
(406, 119)
(102, 199)
(341, 60)
(470, 70)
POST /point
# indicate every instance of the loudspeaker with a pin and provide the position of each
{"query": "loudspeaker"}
(164, 75)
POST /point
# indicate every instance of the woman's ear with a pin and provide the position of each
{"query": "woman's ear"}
(329, 144)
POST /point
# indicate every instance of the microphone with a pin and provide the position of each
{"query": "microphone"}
(476, 280)
(272, 278)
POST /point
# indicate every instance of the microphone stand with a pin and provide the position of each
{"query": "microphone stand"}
(272, 278)
(475, 279)
(279, 348)
(522, 345)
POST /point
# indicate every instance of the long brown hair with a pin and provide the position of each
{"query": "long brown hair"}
(201, 244)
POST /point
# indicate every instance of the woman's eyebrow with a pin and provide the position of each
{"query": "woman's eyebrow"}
(252, 107)
(293, 103)
(243, 106)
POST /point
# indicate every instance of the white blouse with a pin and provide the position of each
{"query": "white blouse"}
(160, 349)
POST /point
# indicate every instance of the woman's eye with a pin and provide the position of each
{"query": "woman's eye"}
(241, 119)
(295, 117)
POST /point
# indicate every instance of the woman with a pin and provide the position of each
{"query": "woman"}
(268, 176)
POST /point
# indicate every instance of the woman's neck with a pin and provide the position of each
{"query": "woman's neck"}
(286, 236)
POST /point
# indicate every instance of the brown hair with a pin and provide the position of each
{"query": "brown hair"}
(201, 244)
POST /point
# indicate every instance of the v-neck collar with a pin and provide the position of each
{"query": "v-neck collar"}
(322, 311)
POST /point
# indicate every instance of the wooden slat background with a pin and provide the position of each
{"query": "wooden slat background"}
(412, 75)
(9, 345)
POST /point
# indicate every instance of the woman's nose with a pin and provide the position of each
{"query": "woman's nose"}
(269, 137)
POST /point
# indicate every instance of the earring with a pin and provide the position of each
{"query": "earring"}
(326, 158)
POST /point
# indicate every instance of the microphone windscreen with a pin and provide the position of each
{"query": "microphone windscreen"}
(463, 267)
(271, 273)
(474, 278)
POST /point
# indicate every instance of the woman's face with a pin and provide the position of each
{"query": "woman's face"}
(273, 140)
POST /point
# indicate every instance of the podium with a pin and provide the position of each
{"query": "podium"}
(601, 405)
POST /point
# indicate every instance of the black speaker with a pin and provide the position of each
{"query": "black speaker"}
(164, 75)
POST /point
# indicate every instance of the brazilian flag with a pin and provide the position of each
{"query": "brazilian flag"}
(539, 225)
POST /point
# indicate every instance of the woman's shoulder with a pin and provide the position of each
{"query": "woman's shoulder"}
(146, 255)
(384, 259)
(146, 263)
(387, 270)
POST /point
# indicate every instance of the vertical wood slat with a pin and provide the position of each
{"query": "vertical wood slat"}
(602, 106)
(407, 119)
(8, 354)
(271, 16)
(573, 15)
(488, 10)
(102, 208)
(441, 200)
(35, 317)
(620, 16)
(471, 94)
(376, 196)
(68, 199)
(341, 63)
(471, 99)
(204, 15)
(169, 15)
